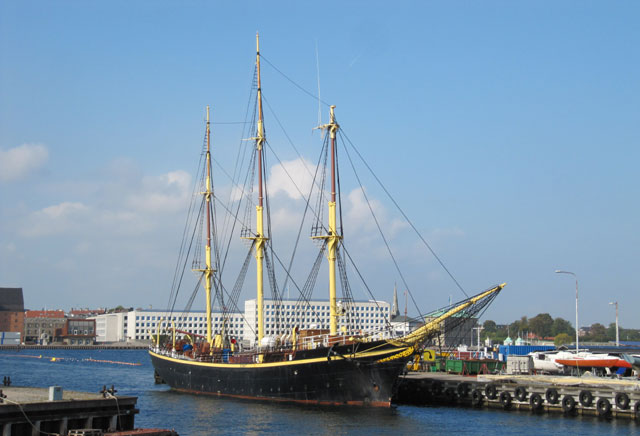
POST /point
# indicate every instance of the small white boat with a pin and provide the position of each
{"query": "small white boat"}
(545, 361)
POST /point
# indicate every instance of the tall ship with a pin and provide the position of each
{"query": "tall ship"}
(294, 356)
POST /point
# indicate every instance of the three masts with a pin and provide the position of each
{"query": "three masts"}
(328, 367)
(259, 238)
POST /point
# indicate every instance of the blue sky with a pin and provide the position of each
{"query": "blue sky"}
(508, 132)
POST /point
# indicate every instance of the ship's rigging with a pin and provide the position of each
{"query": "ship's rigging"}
(249, 193)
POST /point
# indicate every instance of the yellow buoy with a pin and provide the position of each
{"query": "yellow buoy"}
(53, 359)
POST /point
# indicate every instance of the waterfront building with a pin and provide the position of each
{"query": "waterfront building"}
(367, 315)
(84, 313)
(12, 313)
(78, 331)
(111, 327)
(40, 326)
(402, 325)
(142, 324)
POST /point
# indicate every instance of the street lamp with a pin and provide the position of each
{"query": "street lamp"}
(617, 330)
(478, 348)
(576, 277)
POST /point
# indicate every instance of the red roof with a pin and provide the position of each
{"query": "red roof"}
(44, 314)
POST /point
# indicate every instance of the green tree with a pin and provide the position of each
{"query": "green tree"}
(629, 334)
(611, 331)
(597, 333)
(518, 327)
(561, 325)
(489, 326)
(541, 325)
(562, 339)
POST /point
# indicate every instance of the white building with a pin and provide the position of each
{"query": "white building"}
(362, 316)
(111, 327)
(403, 325)
(142, 324)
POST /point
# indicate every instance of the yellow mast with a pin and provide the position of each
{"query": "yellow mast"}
(259, 238)
(208, 269)
(332, 238)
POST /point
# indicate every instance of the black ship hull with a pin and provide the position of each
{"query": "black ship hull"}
(327, 376)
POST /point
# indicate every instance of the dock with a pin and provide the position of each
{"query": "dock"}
(30, 411)
(596, 396)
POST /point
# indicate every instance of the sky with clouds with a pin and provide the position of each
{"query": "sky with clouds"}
(507, 132)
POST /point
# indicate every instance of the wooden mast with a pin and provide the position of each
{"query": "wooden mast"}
(259, 238)
(332, 238)
(208, 269)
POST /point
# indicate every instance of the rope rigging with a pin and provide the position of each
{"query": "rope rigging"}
(384, 238)
(243, 191)
(293, 82)
(424, 241)
(183, 256)
(305, 293)
(243, 149)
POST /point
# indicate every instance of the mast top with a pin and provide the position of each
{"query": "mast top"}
(332, 126)
(208, 134)
(260, 134)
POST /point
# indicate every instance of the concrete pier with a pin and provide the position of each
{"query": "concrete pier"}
(29, 411)
(597, 396)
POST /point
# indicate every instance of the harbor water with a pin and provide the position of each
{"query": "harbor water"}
(89, 370)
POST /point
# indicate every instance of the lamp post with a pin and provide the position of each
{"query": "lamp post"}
(576, 277)
(478, 347)
(617, 330)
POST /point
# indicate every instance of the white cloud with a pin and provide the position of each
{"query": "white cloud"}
(18, 162)
(165, 193)
(178, 178)
(236, 194)
(358, 213)
(286, 219)
(62, 210)
(51, 220)
(293, 177)
(131, 207)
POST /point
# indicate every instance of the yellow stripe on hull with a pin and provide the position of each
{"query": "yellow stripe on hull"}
(286, 362)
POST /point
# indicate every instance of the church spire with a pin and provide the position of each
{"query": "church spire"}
(394, 309)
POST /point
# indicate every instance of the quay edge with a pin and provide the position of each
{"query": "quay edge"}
(33, 411)
(571, 396)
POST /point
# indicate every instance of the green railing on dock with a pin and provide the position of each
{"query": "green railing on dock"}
(462, 366)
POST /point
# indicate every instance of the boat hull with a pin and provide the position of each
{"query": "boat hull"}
(363, 379)
(595, 363)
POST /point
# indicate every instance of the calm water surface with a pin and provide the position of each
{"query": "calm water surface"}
(203, 415)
